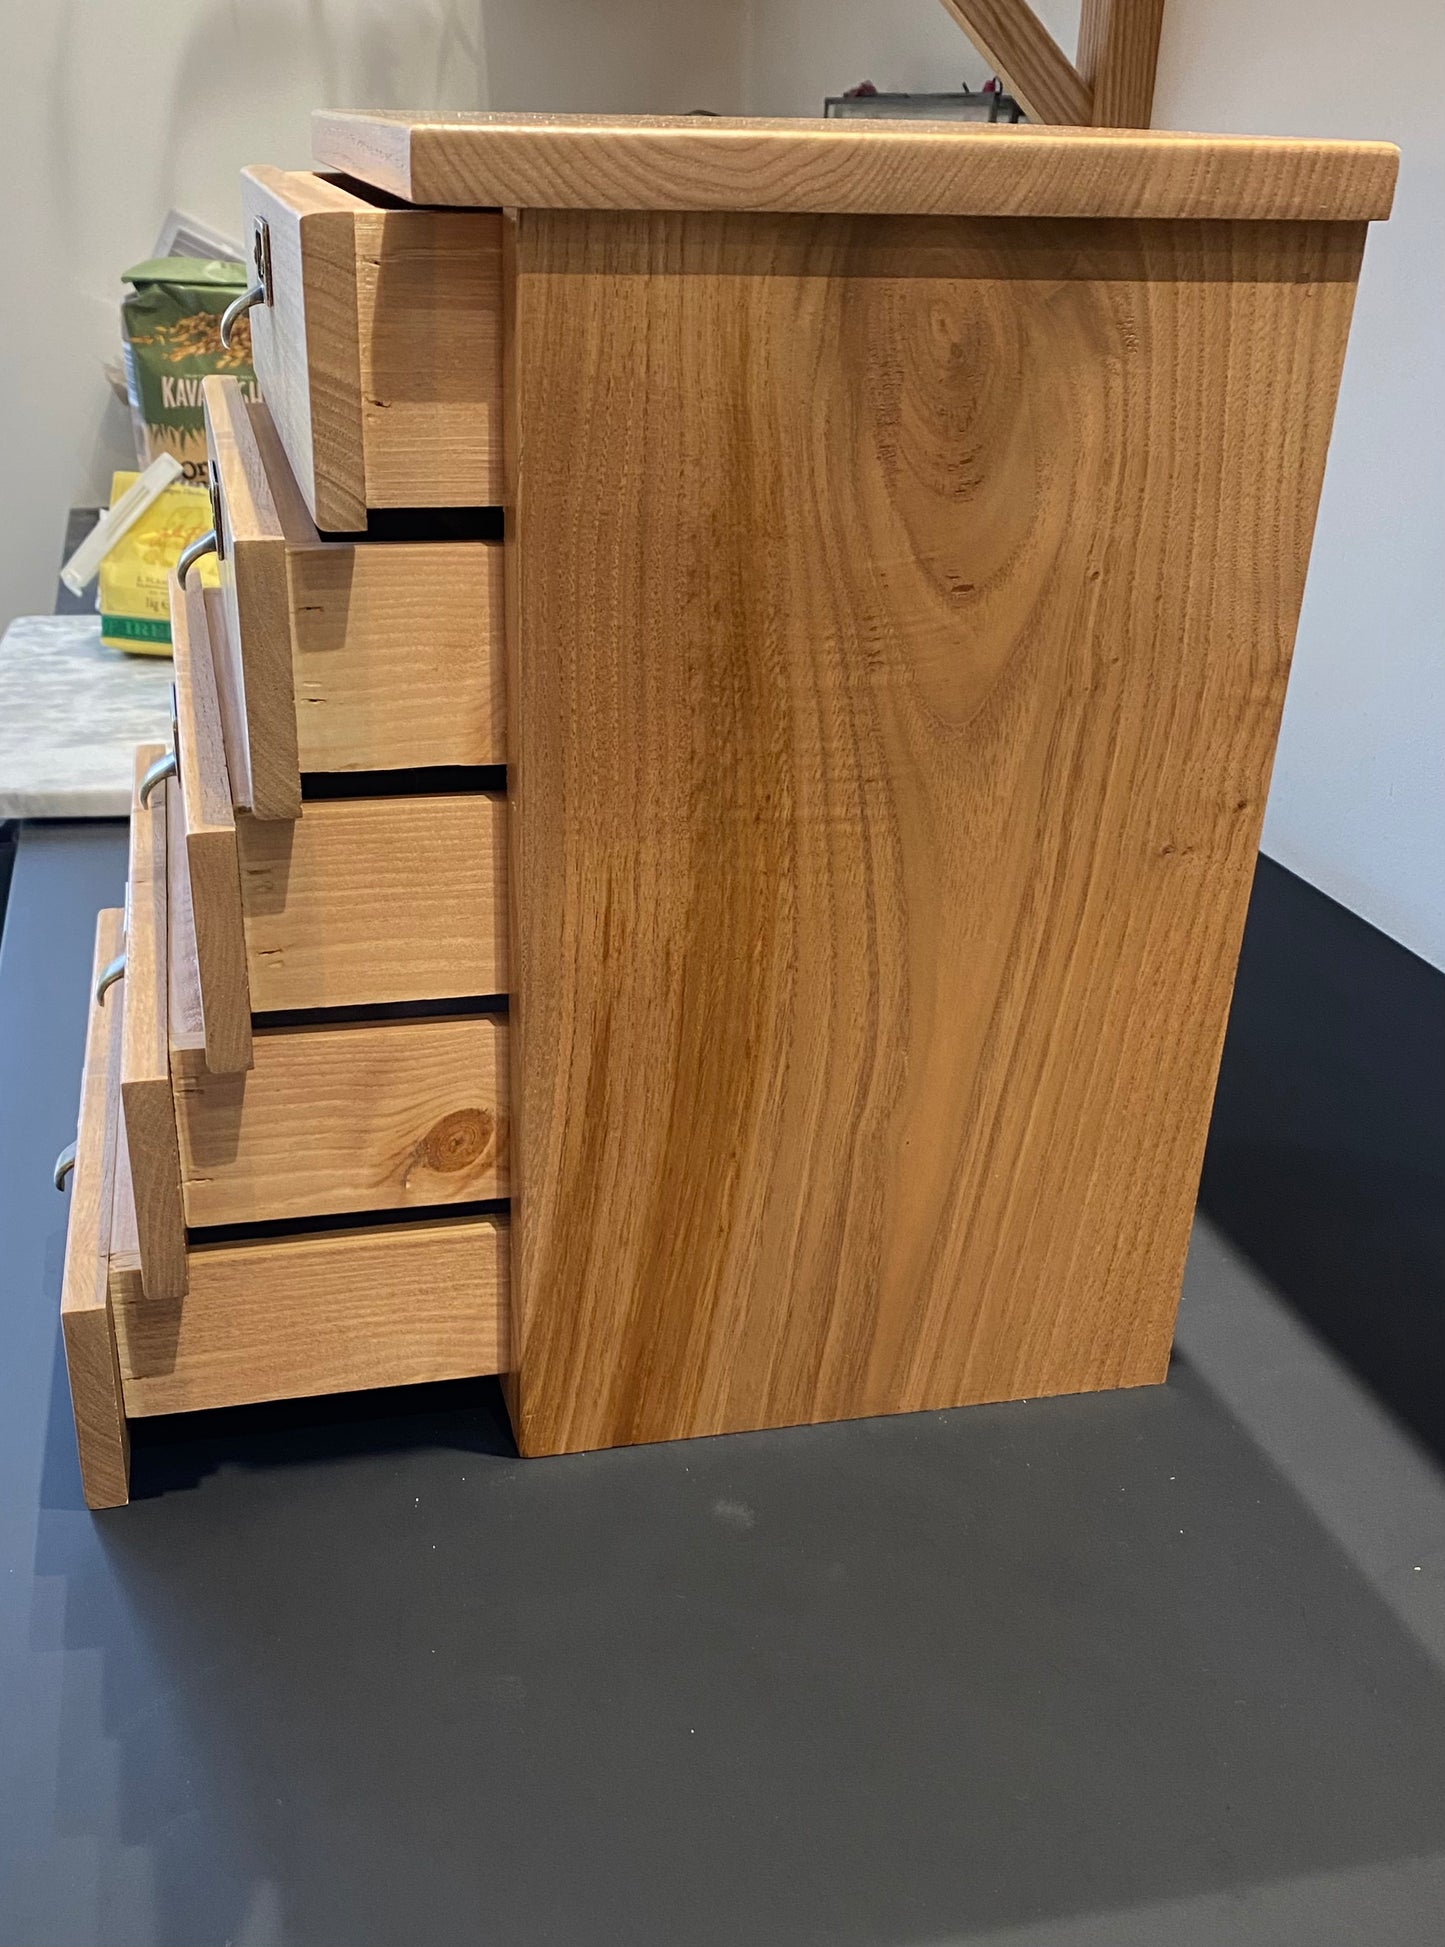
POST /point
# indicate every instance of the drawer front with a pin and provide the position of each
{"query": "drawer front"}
(379, 351)
(333, 1311)
(148, 1121)
(203, 873)
(371, 1116)
(334, 656)
(366, 900)
(87, 1325)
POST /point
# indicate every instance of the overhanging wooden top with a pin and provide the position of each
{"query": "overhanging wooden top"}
(685, 162)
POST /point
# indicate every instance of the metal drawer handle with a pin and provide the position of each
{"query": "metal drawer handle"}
(108, 977)
(163, 767)
(203, 545)
(237, 309)
(64, 1164)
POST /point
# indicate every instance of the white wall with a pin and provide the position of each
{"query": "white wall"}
(112, 111)
(1358, 801)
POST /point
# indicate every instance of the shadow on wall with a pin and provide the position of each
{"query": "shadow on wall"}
(1326, 1156)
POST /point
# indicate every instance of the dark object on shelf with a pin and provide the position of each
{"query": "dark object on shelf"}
(988, 105)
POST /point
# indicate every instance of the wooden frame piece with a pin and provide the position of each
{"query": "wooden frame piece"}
(86, 1320)
(147, 1106)
(1015, 42)
(206, 835)
(254, 681)
(1117, 59)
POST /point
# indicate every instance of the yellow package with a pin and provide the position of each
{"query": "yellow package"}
(134, 598)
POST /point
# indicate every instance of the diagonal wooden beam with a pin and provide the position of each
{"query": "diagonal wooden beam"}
(1118, 54)
(1010, 35)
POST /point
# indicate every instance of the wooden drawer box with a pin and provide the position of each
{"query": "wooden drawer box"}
(277, 1317)
(377, 656)
(358, 902)
(387, 1115)
(328, 1311)
(370, 1115)
(378, 346)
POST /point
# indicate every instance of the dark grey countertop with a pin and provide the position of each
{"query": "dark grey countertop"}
(1142, 1668)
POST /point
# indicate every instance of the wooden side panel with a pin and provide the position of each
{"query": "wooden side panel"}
(380, 1116)
(306, 342)
(207, 835)
(145, 1079)
(399, 655)
(86, 1323)
(253, 650)
(336, 1311)
(376, 899)
(897, 656)
(429, 305)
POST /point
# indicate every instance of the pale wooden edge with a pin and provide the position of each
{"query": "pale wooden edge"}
(265, 1319)
(315, 313)
(185, 1025)
(257, 603)
(86, 1321)
(913, 168)
(147, 1107)
(207, 839)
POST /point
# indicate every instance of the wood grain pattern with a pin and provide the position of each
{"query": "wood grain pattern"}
(367, 900)
(1016, 44)
(252, 652)
(205, 827)
(87, 1326)
(683, 162)
(380, 357)
(147, 1113)
(378, 1116)
(396, 650)
(897, 657)
(337, 1311)
(1118, 58)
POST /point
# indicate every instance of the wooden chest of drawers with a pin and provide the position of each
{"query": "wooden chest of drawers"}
(904, 535)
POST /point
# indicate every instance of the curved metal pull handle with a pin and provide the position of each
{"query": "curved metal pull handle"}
(109, 975)
(157, 773)
(237, 309)
(64, 1164)
(203, 545)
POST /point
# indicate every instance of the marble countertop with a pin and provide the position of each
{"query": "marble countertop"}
(71, 715)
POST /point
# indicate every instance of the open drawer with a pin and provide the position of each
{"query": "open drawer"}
(328, 1311)
(360, 901)
(377, 342)
(380, 656)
